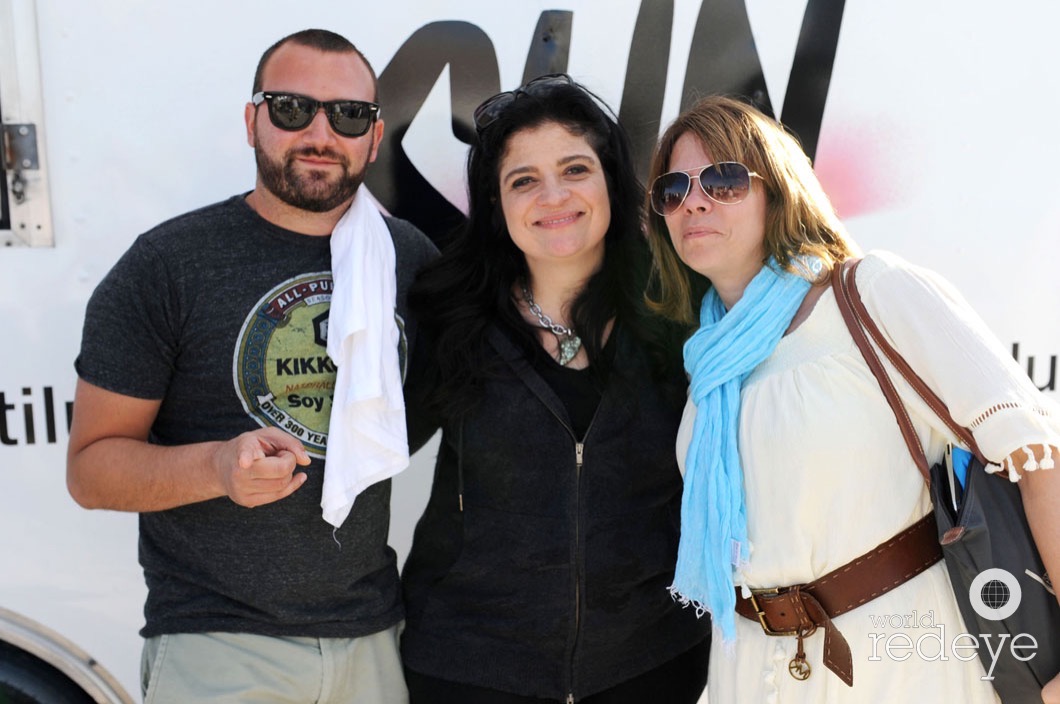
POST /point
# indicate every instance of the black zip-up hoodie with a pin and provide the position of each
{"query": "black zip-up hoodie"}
(542, 561)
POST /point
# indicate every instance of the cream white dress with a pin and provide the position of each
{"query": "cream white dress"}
(828, 477)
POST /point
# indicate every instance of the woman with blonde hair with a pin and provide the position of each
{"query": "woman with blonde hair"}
(795, 469)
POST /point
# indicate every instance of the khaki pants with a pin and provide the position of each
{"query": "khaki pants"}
(230, 668)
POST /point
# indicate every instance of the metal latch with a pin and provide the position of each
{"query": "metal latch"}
(20, 154)
(20, 147)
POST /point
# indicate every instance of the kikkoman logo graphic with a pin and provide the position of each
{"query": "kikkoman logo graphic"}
(995, 594)
(281, 368)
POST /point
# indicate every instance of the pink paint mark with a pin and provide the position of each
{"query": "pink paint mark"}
(858, 165)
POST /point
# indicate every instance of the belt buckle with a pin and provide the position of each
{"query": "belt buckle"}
(773, 591)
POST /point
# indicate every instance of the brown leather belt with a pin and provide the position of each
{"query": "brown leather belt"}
(801, 609)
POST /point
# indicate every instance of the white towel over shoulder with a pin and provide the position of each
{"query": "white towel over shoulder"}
(367, 440)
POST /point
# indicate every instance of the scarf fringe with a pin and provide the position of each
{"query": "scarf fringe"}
(701, 609)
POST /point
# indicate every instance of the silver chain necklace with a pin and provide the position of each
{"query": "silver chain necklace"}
(569, 342)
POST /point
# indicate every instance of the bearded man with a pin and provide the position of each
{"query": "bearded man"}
(207, 393)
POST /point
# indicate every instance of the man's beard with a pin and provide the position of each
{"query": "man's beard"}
(312, 189)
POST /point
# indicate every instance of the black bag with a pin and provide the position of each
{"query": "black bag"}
(988, 531)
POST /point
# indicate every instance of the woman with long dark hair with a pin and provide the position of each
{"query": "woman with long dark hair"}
(539, 570)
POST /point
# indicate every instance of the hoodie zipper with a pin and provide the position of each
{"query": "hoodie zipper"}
(579, 459)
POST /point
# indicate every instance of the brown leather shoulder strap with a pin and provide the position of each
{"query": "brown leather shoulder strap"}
(858, 320)
(842, 293)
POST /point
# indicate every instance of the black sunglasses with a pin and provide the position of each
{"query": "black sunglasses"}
(293, 112)
(727, 182)
(492, 108)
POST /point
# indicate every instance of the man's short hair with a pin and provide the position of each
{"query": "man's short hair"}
(320, 39)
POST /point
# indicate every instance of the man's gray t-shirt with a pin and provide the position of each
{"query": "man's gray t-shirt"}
(223, 316)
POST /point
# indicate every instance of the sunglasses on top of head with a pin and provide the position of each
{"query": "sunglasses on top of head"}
(293, 112)
(492, 108)
(727, 183)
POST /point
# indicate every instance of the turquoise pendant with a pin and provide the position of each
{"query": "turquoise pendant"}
(568, 348)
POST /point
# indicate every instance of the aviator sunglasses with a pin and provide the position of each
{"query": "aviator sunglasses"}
(492, 108)
(293, 112)
(727, 183)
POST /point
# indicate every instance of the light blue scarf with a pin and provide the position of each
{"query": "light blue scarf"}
(718, 357)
